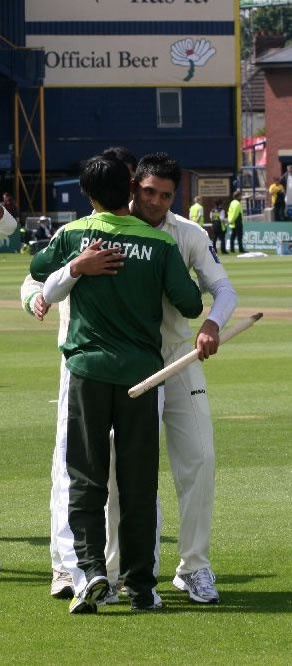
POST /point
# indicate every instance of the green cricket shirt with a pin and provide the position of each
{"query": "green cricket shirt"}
(114, 330)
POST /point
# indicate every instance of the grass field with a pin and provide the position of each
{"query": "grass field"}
(250, 382)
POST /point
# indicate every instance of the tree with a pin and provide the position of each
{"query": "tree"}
(275, 19)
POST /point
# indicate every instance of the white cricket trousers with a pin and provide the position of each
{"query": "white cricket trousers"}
(189, 439)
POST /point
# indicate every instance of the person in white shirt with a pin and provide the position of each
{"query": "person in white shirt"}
(286, 180)
(8, 223)
(186, 415)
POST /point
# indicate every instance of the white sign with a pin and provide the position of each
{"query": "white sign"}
(214, 187)
(137, 60)
(129, 10)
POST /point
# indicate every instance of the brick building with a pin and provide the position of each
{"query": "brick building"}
(277, 67)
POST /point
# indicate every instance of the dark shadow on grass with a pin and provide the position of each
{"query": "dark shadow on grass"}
(241, 578)
(21, 576)
(231, 602)
(168, 539)
(34, 541)
(231, 579)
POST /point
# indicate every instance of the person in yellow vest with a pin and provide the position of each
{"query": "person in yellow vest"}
(235, 215)
(196, 212)
(277, 193)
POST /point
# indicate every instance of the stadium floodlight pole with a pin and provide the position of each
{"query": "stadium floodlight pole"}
(182, 362)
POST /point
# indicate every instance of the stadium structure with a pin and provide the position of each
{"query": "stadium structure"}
(79, 77)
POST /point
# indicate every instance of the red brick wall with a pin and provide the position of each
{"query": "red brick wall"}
(186, 192)
(278, 100)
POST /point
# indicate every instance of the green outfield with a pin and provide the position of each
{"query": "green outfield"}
(250, 389)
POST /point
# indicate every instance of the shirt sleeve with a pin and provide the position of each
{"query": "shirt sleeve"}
(29, 290)
(51, 258)
(225, 301)
(202, 258)
(59, 284)
(7, 224)
(180, 289)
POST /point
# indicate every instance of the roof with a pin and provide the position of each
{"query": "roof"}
(276, 58)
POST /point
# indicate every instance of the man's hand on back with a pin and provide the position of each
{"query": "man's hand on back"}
(94, 261)
(40, 307)
(207, 340)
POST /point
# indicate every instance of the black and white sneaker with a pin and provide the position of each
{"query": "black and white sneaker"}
(91, 597)
(199, 585)
(156, 605)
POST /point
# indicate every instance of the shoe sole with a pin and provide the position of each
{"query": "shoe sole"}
(92, 599)
(180, 585)
(97, 592)
(81, 608)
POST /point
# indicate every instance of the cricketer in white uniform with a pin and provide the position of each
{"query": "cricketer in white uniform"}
(186, 414)
(7, 223)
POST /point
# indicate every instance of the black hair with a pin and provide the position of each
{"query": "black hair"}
(158, 164)
(106, 180)
(121, 153)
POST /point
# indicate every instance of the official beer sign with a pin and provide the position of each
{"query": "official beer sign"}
(131, 58)
(136, 61)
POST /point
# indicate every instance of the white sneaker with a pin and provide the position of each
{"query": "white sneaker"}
(62, 585)
(199, 585)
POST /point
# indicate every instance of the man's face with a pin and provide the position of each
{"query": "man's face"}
(152, 198)
(289, 169)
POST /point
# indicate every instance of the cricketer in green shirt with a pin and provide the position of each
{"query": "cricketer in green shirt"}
(114, 331)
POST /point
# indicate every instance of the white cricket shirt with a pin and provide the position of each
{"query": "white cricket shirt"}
(197, 252)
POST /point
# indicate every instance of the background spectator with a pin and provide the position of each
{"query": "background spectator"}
(10, 205)
(277, 192)
(286, 180)
(196, 213)
(218, 219)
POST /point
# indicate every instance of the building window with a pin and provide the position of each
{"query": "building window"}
(169, 107)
